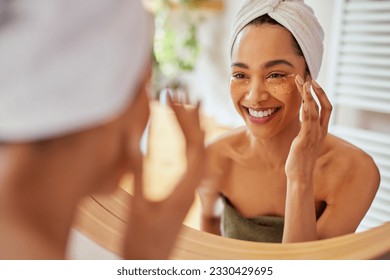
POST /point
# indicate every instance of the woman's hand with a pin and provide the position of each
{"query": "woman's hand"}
(305, 147)
(300, 222)
(155, 225)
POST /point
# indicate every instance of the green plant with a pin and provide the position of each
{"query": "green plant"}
(176, 46)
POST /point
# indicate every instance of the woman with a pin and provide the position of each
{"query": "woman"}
(73, 108)
(282, 179)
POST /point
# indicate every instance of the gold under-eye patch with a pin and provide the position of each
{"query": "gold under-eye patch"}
(277, 84)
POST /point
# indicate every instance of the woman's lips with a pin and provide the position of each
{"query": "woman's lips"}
(261, 116)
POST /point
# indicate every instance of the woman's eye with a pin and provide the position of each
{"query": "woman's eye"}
(275, 76)
(238, 76)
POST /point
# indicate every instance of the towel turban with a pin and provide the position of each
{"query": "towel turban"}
(68, 65)
(294, 15)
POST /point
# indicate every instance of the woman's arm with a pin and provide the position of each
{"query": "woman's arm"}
(300, 217)
(211, 187)
(211, 210)
(153, 226)
(359, 182)
(356, 178)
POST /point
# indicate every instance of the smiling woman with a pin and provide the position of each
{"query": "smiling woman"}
(103, 219)
(282, 177)
(259, 69)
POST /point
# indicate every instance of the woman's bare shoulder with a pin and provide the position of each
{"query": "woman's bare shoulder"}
(348, 151)
(347, 180)
(355, 164)
(230, 139)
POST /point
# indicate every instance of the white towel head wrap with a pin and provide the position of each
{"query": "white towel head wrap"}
(68, 65)
(294, 15)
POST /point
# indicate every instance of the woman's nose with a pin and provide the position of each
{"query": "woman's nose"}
(257, 92)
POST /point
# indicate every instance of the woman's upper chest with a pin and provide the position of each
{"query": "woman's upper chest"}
(261, 190)
(255, 190)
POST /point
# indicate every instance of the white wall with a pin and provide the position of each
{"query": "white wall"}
(324, 10)
(210, 80)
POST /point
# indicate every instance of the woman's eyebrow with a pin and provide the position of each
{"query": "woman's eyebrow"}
(273, 63)
(268, 64)
(239, 64)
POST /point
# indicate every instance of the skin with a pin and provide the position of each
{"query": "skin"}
(42, 183)
(280, 166)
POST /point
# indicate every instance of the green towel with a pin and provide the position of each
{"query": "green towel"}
(260, 229)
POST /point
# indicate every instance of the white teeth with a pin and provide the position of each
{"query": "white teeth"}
(261, 114)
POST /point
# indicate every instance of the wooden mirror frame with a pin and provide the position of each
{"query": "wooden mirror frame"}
(102, 219)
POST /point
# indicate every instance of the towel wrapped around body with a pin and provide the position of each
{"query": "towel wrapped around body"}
(259, 229)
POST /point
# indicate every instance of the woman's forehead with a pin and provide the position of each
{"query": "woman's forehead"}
(263, 42)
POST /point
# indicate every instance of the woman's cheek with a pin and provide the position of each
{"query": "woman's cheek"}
(293, 100)
(236, 96)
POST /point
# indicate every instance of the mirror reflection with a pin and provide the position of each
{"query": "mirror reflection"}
(259, 186)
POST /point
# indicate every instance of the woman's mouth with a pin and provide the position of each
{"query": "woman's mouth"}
(261, 116)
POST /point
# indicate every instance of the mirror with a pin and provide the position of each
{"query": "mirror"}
(358, 116)
(357, 83)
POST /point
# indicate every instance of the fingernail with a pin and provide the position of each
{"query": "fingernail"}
(315, 84)
(299, 80)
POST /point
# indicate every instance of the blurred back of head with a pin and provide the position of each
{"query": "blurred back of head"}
(68, 65)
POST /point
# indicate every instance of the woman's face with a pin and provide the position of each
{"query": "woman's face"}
(262, 84)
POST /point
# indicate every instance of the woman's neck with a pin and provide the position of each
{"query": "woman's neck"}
(275, 150)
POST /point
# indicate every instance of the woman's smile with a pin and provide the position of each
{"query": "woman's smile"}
(261, 115)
